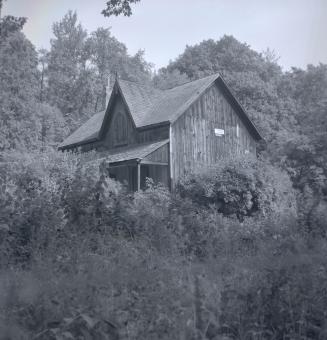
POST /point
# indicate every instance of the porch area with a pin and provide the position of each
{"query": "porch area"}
(134, 175)
(133, 164)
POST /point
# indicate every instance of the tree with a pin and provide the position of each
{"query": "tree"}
(309, 88)
(9, 23)
(43, 65)
(25, 122)
(306, 155)
(104, 51)
(108, 56)
(70, 80)
(165, 80)
(51, 125)
(117, 7)
(18, 90)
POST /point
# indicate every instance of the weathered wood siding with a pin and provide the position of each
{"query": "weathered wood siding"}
(161, 155)
(193, 139)
(156, 166)
(153, 134)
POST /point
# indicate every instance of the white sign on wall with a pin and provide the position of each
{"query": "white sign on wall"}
(219, 132)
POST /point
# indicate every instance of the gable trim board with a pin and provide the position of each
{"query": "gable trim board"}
(148, 107)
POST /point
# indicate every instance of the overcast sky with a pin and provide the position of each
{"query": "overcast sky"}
(295, 29)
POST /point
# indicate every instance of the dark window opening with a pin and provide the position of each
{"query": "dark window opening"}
(120, 129)
(112, 176)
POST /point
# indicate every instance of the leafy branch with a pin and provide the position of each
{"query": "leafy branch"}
(118, 7)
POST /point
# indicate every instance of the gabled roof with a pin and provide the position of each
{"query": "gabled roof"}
(88, 132)
(139, 99)
(149, 106)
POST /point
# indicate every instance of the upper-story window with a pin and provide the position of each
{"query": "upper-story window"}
(120, 129)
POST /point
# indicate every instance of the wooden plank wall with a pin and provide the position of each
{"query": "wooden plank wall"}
(153, 134)
(161, 155)
(194, 143)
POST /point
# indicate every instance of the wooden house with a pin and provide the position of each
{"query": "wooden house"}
(145, 132)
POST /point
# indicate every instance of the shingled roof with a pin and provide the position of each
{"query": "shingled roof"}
(88, 132)
(149, 106)
(126, 153)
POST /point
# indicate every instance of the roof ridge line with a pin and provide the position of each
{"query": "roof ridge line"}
(174, 87)
(140, 84)
(192, 81)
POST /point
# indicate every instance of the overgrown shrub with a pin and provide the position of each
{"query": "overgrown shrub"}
(278, 294)
(143, 294)
(83, 258)
(46, 192)
(241, 187)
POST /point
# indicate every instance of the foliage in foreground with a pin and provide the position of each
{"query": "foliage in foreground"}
(81, 257)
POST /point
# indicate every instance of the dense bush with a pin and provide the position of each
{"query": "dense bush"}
(278, 294)
(47, 193)
(83, 258)
(241, 187)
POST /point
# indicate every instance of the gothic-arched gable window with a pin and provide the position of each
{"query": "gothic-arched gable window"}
(120, 129)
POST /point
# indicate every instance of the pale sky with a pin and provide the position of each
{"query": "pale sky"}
(295, 29)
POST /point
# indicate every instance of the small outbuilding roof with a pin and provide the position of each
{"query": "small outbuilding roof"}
(149, 106)
(128, 153)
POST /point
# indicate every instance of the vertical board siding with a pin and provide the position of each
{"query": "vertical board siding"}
(159, 156)
(153, 134)
(194, 143)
